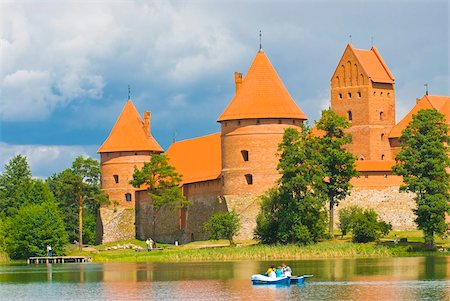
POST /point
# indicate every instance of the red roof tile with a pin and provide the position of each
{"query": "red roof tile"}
(440, 103)
(262, 95)
(198, 159)
(128, 134)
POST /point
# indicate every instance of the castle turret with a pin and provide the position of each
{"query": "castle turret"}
(362, 90)
(129, 144)
(252, 126)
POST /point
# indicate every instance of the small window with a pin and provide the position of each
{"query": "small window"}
(239, 122)
(359, 94)
(249, 179)
(258, 121)
(135, 154)
(382, 137)
(385, 175)
(340, 95)
(128, 197)
(244, 155)
(350, 115)
(279, 121)
(374, 93)
(382, 157)
(388, 94)
(381, 93)
(381, 115)
(293, 121)
(116, 178)
(349, 95)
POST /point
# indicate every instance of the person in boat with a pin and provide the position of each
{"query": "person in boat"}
(270, 271)
(287, 271)
(278, 272)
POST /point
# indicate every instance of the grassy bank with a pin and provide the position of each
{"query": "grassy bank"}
(249, 250)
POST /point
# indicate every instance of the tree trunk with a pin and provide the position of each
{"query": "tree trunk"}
(331, 220)
(429, 240)
(80, 222)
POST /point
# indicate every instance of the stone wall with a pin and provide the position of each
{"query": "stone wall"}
(173, 224)
(115, 224)
(248, 208)
(389, 203)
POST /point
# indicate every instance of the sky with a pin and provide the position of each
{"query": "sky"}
(65, 66)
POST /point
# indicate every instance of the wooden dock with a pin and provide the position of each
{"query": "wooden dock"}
(59, 259)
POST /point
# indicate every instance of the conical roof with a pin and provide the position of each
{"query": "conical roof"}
(262, 94)
(129, 134)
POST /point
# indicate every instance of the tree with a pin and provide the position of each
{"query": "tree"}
(76, 189)
(422, 162)
(223, 225)
(15, 183)
(339, 164)
(33, 228)
(163, 185)
(292, 212)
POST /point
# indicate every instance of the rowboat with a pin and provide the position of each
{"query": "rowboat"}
(261, 279)
(299, 279)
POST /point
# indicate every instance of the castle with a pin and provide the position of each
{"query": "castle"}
(231, 169)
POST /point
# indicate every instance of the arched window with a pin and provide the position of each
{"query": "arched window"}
(382, 137)
(258, 121)
(381, 115)
(349, 95)
(116, 178)
(359, 94)
(382, 157)
(340, 95)
(350, 115)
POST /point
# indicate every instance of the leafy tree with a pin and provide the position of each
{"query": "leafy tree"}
(78, 193)
(15, 183)
(33, 228)
(223, 225)
(346, 218)
(163, 185)
(339, 164)
(422, 162)
(293, 211)
(367, 226)
(39, 193)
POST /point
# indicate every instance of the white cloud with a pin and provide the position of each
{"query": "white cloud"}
(45, 160)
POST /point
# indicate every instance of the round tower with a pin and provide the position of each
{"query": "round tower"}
(129, 145)
(252, 126)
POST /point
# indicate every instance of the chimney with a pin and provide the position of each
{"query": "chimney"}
(238, 80)
(147, 122)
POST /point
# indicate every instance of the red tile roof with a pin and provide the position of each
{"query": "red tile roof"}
(128, 134)
(198, 159)
(440, 103)
(373, 65)
(262, 95)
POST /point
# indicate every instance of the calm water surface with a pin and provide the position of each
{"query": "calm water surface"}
(418, 278)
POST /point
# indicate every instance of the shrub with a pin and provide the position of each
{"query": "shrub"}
(368, 227)
(223, 225)
(346, 217)
(34, 227)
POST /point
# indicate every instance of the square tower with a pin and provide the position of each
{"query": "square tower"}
(362, 90)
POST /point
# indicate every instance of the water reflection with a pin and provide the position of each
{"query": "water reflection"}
(415, 278)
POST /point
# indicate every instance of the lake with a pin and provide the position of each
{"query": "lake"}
(407, 278)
